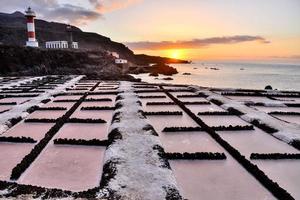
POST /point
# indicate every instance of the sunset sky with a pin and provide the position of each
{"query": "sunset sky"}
(189, 29)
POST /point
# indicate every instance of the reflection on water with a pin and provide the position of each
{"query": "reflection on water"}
(235, 75)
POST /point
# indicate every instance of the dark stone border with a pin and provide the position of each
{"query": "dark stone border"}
(195, 156)
(17, 139)
(93, 142)
(274, 156)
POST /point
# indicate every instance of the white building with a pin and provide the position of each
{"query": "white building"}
(60, 45)
(121, 61)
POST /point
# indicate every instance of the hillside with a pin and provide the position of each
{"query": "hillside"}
(13, 32)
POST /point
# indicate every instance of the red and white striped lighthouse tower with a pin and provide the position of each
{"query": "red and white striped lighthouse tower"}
(30, 15)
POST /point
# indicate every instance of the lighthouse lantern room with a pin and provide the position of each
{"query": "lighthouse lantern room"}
(30, 15)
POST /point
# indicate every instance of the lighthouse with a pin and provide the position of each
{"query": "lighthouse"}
(30, 15)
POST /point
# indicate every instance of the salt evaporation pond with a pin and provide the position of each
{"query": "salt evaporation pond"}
(18, 100)
(255, 99)
(83, 131)
(67, 105)
(196, 141)
(268, 109)
(289, 118)
(47, 114)
(162, 121)
(10, 155)
(285, 172)
(35, 131)
(4, 108)
(159, 108)
(216, 179)
(74, 168)
(255, 141)
(93, 114)
(64, 97)
(204, 108)
(222, 120)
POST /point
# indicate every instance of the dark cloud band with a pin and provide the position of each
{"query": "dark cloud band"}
(195, 43)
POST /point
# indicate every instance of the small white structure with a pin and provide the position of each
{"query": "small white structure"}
(120, 61)
(115, 54)
(75, 45)
(60, 45)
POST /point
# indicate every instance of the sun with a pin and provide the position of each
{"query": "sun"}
(176, 54)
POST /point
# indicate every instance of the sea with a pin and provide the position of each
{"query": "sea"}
(245, 75)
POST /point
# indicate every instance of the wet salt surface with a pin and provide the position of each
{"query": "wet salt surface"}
(93, 114)
(162, 121)
(204, 108)
(67, 105)
(222, 120)
(191, 99)
(18, 100)
(4, 108)
(47, 114)
(97, 104)
(189, 142)
(83, 131)
(36, 131)
(10, 155)
(285, 172)
(104, 96)
(289, 99)
(146, 100)
(158, 108)
(289, 118)
(249, 98)
(216, 179)
(64, 97)
(74, 168)
(255, 141)
(278, 109)
(182, 93)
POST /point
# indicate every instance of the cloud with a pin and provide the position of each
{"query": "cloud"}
(71, 14)
(195, 43)
(105, 6)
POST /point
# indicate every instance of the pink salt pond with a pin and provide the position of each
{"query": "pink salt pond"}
(47, 114)
(59, 104)
(36, 131)
(162, 121)
(216, 179)
(285, 172)
(158, 108)
(204, 108)
(289, 118)
(93, 114)
(10, 155)
(189, 142)
(75, 168)
(18, 100)
(83, 131)
(64, 97)
(255, 141)
(4, 108)
(222, 120)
